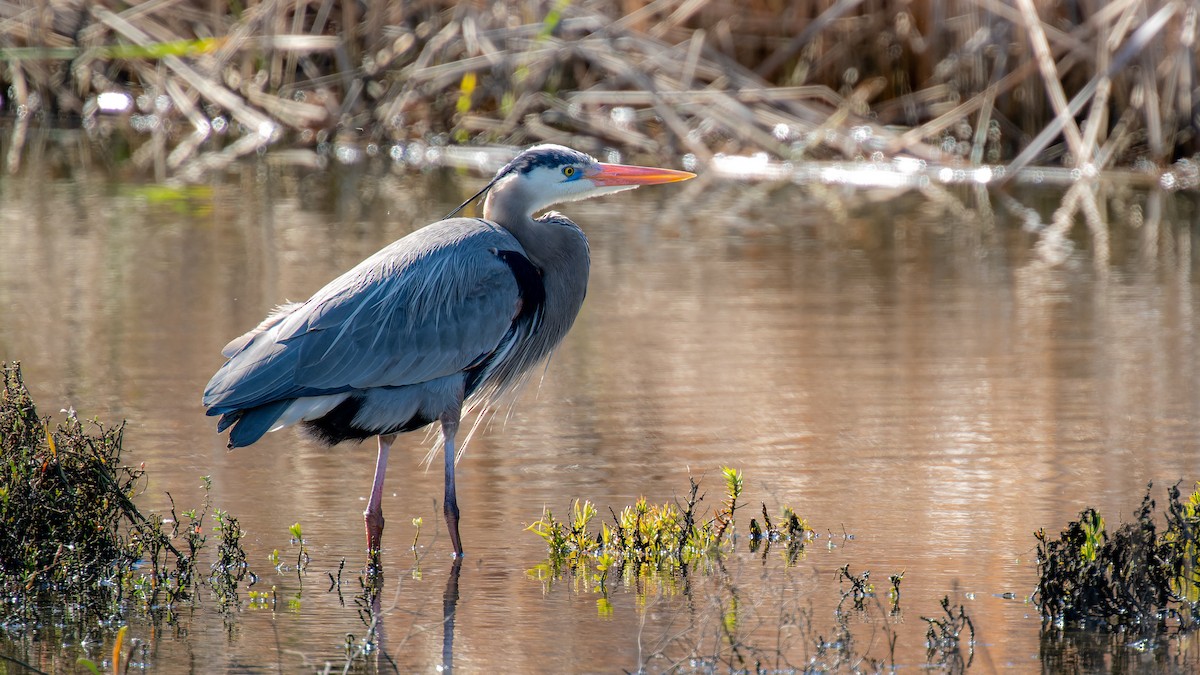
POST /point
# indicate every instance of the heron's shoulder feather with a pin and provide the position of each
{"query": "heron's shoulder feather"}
(278, 314)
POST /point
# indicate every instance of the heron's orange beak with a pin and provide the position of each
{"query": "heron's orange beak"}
(622, 174)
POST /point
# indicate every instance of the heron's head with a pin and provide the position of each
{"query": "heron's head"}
(549, 174)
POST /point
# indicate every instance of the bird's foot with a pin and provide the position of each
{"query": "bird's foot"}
(374, 522)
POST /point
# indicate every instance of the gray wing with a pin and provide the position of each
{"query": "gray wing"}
(429, 305)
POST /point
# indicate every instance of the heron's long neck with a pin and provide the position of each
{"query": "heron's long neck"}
(559, 249)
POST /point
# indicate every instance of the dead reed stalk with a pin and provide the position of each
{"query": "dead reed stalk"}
(192, 86)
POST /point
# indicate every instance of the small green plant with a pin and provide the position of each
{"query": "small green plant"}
(264, 599)
(1181, 541)
(645, 539)
(302, 557)
(642, 537)
(733, 490)
(230, 567)
(794, 533)
(1092, 527)
(894, 593)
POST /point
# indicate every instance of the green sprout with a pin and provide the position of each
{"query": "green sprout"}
(646, 540)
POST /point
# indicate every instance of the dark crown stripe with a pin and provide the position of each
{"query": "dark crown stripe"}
(546, 157)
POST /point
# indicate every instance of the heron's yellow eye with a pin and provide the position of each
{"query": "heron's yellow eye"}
(568, 171)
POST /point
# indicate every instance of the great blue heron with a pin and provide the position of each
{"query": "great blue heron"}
(455, 312)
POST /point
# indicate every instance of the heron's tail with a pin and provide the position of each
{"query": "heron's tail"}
(250, 424)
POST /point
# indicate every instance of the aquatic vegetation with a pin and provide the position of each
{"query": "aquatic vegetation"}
(302, 556)
(944, 636)
(230, 567)
(64, 497)
(794, 532)
(1142, 577)
(673, 550)
(71, 535)
(861, 587)
(647, 539)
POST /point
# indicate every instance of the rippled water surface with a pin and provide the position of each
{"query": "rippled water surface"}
(922, 376)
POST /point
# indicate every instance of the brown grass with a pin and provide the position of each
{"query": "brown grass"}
(1088, 85)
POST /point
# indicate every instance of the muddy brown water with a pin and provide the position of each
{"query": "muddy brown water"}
(917, 374)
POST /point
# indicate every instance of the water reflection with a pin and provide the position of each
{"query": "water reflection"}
(449, 607)
(937, 373)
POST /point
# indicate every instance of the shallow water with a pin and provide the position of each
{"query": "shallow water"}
(924, 378)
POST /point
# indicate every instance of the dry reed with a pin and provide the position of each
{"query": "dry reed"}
(1087, 85)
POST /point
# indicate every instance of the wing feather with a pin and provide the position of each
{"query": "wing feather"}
(427, 306)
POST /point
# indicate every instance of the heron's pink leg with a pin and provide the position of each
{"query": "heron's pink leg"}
(374, 513)
(450, 504)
